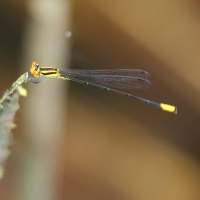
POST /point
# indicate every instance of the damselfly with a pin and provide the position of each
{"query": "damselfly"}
(106, 79)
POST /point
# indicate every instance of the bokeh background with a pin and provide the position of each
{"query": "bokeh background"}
(77, 142)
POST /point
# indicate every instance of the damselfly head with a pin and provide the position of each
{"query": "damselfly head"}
(35, 69)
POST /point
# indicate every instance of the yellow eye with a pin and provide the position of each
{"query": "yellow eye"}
(36, 64)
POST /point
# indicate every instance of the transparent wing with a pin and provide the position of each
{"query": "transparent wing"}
(113, 78)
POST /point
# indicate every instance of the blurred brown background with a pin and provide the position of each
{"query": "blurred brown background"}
(78, 142)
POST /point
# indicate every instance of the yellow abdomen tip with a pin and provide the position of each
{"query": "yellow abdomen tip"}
(169, 108)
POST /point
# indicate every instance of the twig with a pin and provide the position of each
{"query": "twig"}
(8, 108)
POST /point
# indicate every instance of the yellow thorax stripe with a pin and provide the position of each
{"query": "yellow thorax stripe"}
(50, 71)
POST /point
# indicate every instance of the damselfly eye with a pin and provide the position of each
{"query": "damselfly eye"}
(36, 65)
